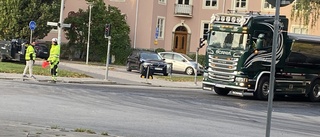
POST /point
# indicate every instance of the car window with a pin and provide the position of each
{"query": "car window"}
(187, 57)
(177, 57)
(167, 56)
(150, 56)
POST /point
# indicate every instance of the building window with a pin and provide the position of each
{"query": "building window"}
(242, 4)
(299, 29)
(267, 6)
(118, 0)
(162, 1)
(184, 2)
(205, 29)
(210, 3)
(160, 26)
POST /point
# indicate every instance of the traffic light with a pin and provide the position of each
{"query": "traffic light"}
(107, 32)
(202, 42)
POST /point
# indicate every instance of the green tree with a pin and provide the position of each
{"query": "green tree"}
(16, 15)
(101, 15)
(306, 11)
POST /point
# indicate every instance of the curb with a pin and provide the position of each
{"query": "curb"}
(94, 82)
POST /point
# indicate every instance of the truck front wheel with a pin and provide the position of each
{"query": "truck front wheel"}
(221, 91)
(314, 93)
(262, 91)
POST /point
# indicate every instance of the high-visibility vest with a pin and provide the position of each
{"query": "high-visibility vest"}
(30, 54)
(54, 53)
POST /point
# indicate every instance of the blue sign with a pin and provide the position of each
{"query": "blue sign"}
(32, 25)
(157, 33)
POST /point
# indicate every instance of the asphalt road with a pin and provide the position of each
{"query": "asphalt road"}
(135, 111)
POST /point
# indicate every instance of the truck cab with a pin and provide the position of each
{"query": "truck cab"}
(238, 57)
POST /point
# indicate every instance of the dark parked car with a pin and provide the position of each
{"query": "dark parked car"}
(42, 51)
(140, 58)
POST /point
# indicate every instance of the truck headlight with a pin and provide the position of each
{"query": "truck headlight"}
(240, 79)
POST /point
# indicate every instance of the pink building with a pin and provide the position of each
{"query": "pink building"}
(180, 23)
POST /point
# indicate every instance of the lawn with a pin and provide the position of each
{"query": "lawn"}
(179, 78)
(13, 67)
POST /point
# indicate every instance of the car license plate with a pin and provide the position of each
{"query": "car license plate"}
(158, 68)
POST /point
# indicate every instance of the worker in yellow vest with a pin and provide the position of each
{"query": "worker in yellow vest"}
(54, 59)
(30, 56)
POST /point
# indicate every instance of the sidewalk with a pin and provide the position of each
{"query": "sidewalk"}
(116, 75)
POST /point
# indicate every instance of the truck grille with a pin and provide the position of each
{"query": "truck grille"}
(222, 69)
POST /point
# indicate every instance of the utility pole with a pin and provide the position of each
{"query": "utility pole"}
(277, 4)
(89, 25)
(60, 22)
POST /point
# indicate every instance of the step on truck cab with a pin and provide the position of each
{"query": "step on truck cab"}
(238, 57)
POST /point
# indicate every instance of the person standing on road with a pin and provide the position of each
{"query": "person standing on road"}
(30, 56)
(54, 59)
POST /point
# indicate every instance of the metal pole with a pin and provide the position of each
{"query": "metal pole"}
(135, 25)
(196, 68)
(107, 62)
(88, 42)
(273, 67)
(31, 36)
(60, 22)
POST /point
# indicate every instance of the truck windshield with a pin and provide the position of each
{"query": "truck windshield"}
(228, 40)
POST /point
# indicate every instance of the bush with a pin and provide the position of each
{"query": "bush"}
(201, 58)
(159, 50)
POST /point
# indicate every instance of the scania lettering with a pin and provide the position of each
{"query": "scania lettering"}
(238, 57)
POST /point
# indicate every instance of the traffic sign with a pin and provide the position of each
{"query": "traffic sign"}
(32, 25)
(157, 33)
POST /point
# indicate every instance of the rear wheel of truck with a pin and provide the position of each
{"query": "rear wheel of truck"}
(314, 93)
(262, 91)
(221, 91)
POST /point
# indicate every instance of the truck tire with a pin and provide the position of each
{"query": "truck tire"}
(128, 67)
(314, 92)
(221, 91)
(262, 91)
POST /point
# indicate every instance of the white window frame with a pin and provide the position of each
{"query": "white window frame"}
(210, 7)
(203, 22)
(301, 27)
(190, 2)
(235, 3)
(162, 2)
(161, 25)
(268, 8)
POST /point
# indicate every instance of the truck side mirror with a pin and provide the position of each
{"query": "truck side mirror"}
(260, 41)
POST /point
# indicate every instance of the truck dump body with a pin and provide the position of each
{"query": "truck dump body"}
(304, 51)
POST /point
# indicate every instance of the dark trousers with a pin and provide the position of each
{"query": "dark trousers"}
(54, 69)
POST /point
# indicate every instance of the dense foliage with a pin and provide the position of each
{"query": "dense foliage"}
(16, 15)
(306, 11)
(100, 16)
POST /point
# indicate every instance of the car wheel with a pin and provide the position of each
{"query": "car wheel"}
(141, 69)
(189, 70)
(128, 66)
(1, 58)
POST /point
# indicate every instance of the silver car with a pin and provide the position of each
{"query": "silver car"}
(181, 62)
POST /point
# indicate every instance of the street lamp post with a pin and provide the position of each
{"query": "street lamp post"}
(89, 24)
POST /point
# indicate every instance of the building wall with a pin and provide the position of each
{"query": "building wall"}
(142, 34)
(315, 30)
